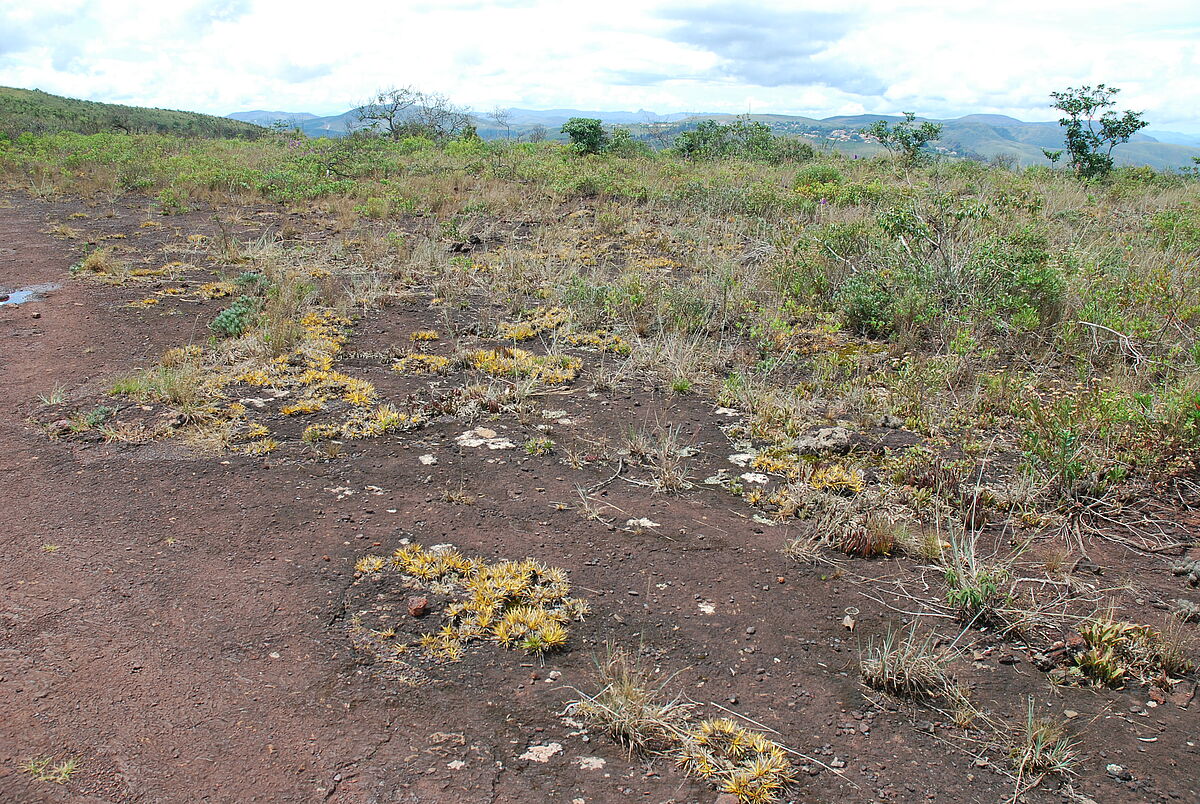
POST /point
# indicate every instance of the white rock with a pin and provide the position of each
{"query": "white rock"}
(541, 753)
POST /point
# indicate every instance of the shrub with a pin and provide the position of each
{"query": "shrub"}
(621, 143)
(905, 140)
(867, 304)
(743, 139)
(586, 133)
(817, 174)
(238, 317)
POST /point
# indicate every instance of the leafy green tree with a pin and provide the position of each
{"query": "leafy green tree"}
(586, 133)
(906, 139)
(743, 138)
(1090, 139)
(622, 143)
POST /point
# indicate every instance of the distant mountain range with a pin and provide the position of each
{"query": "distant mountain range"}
(980, 136)
(261, 118)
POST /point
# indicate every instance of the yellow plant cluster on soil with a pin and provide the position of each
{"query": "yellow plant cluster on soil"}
(520, 605)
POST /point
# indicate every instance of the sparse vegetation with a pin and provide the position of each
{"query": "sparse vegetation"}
(631, 704)
(943, 388)
(902, 664)
(633, 708)
(48, 769)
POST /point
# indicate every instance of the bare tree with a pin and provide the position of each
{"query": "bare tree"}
(500, 116)
(659, 131)
(537, 133)
(408, 112)
(436, 117)
(389, 112)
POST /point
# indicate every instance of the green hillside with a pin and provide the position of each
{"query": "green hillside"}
(31, 110)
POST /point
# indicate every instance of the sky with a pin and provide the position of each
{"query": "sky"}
(938, 59)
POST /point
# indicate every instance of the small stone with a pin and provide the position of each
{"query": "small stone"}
(837, 763)
(825, 440)
(1117, 772)
(1070, 714)
(418, 606)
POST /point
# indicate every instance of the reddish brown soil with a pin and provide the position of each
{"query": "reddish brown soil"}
(187, 639)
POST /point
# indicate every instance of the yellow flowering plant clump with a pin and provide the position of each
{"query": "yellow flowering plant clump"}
(215, 290)
(421, 364)
(310, 405)
(837, 478)
(519, 605)
(736, 760)
(778, 462)
(514, 362)
(600, 339)
(539, 321)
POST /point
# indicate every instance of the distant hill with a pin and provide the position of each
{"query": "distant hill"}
(521, 121)
(35, 111)
(974, 136)
(267, 119)
(1174, 137)
(556, 117)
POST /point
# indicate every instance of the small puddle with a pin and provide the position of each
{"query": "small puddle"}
(22, 295)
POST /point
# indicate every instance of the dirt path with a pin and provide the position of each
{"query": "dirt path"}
(175, 622)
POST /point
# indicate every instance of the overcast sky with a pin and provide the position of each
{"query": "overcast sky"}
(937, 59)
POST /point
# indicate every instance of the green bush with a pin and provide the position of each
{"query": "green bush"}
(621, 143)
(867, 304)
(742, 139)
(586, 134)
(821, 173)
(237, 318)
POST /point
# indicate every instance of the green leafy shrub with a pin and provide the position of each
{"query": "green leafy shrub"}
(821, 173)
(743, 139)
(867, 304)
(237, 318)
(904, 139)
(586, 134)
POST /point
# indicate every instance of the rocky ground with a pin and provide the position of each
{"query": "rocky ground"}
(181, 622)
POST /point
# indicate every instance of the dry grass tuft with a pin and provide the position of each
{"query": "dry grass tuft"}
(907, 666)
(632, 705)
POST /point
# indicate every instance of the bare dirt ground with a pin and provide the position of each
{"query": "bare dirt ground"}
(177, 622)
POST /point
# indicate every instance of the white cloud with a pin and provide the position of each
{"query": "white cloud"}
(935, 58)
